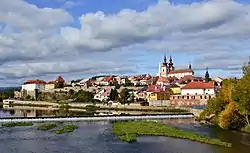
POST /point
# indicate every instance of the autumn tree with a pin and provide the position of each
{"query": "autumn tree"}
(241, 95)
(246, 67)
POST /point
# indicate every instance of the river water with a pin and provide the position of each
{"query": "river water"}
(97, 137)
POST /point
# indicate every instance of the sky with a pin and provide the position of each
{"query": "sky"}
(41, 39)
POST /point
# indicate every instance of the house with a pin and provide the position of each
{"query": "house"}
(50, 85)
(103, 94)
(175, 89)
(32, 88)
(198, 88)
(158, 95)
(195, 93)
(162, 81)
(106, 81)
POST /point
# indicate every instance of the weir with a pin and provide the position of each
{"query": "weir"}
(103, 118)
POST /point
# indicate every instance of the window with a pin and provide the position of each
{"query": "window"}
(178, 97)
(187, 97)
(200, 97)
(195, 93)
(182, 97)
(205, 97)
(209, 97)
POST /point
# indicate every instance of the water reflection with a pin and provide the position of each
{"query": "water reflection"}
(97, 137)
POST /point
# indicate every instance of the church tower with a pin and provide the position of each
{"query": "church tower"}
(171, 64)
(164, 68)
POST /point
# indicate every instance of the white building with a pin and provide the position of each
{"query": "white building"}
(103, 94)
(31, 85)
(168, 70)
(198, 88)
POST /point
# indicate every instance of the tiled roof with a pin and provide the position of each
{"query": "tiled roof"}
(35, 82)
(199, 85)
(162, 79)
(180, 71)
(51, 82)
(107, 78)
(157, 88)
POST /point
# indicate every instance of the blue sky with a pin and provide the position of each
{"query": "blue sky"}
(81, 38)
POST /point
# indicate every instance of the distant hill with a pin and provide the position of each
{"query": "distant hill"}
(9, 88)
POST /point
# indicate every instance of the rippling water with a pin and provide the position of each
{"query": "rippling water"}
(96, 137)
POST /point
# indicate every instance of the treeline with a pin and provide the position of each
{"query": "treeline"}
(73, 96)
(231, 107)
(7, 93)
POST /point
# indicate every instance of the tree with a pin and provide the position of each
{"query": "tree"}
(71, 93)
(113, 94)
(207, 77)
(124, 95)
(83, 96)
(241, 94)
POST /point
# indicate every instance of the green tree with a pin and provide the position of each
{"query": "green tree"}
(83, 96)
(241, 94)
(207, 77)
(113, 94)
(124, 95)
(71, 93)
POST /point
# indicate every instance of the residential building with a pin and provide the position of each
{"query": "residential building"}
(158, 95)
(103, 94)
(195, 93)
(50, 85)
(32, 88)
(198, 88)
(107, 80)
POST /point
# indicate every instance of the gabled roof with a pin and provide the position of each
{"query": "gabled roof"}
(51, 82)
(162, 79)
(180, 71)
(60, 78)
(35, 82)
(199, 85)
(107, 78)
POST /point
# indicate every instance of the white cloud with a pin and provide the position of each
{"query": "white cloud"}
(43, 40)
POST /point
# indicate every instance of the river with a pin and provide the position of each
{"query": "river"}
(96, 137)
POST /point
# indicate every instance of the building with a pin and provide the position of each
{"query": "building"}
(103, 94)
(198, 88)
(158, 95)
(195, 93)
(168, 70)
(162, 81)
(50, 85)
(32, 88)
(107, 80)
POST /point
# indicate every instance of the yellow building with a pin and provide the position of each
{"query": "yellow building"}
(158, 93)
(50, 85)
(175, 89)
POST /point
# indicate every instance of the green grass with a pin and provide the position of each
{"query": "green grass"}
(127, 131)
(246, 129)
(13, 124)
(46, 126)
(66, 129)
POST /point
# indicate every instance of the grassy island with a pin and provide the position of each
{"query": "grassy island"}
(46, 126)
(13, 124)
(66, 129)
(128, 131)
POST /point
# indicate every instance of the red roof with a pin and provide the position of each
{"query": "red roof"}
(35, 82)
(162, 79)
(51, 82)
(157, 88)
(107, 79)
(199, 85)
(60, 78)
(180, 71)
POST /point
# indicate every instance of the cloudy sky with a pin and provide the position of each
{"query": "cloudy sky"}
(80, 38)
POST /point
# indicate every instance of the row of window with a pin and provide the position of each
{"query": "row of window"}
(192, 97)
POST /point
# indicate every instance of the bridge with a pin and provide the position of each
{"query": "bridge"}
(96, 118)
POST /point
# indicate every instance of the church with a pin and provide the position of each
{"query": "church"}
(168, 70)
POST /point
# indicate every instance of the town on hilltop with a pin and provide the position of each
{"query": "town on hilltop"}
(171, 87)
